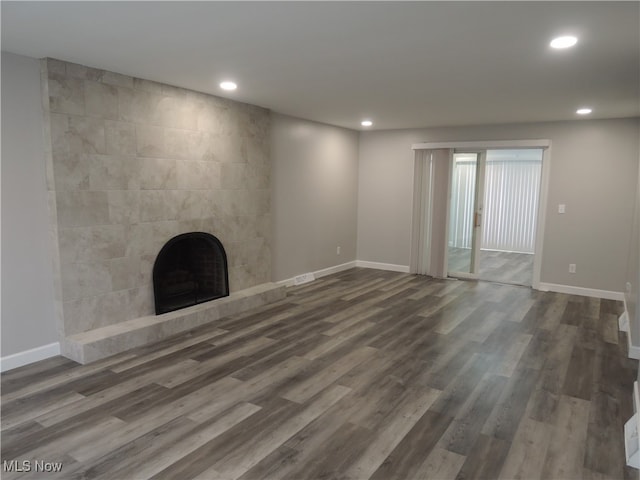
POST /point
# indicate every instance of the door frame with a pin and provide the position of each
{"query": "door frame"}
(418, 217)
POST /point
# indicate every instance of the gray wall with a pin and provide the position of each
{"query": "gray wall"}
(594, 171)
(28, 319)
(314, 195)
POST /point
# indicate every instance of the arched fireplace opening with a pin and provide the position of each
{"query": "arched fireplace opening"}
(190, 269)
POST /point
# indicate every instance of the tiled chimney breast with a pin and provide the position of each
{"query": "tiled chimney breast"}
(133, 163)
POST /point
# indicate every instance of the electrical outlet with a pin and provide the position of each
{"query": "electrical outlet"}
(572, 268)
(562, 208)
(338, 250)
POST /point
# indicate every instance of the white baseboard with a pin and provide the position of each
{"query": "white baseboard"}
(29, 356)
(585, 292)
(634, 350)
(383, 266)
(320, 273)
(623, 322)
(623, 326)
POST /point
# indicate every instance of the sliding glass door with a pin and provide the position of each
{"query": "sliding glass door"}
(493, 206)
(465, 213)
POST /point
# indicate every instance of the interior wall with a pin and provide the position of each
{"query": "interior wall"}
(594, 170)
(314, 196)
(28, 319)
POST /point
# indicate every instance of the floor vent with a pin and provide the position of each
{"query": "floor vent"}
(304, 278)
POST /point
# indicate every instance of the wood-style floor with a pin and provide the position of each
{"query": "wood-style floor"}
(494, 266)
(506, 267)
(362, 374)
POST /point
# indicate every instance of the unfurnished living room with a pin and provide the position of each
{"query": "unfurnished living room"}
(320, 240)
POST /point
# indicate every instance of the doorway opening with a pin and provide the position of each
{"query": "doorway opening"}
(493, 209)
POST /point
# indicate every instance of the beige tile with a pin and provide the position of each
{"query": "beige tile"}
(59, 127)
(146, 269)
(71, 171)
(120, 138)
(196, 175)
(233, 175)
(261, 203)
(124, 207)
(125, 104)
(101, 100)
(190, 204)
(147, 85)
(66, 94)
(82, 208)
(227, 148)
(237, 253)
(209, 116)
(86, 135)
(89, 244)
(177, 143)
(158, 205)
(141, 302)
(96, 311)
(117, 79)
(157, 173)
(165, 111)
(83, 72)
(185, 113)
(56, 66)
(125, 273)
(81, 280)
(150, 141)
(113, 172)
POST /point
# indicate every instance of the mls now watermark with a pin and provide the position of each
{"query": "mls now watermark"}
(31, 466)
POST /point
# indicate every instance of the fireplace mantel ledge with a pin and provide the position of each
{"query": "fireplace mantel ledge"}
(103, 342)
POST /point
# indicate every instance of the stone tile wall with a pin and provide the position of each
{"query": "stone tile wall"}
(134, 163)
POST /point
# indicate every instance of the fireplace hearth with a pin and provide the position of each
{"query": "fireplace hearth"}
(191, 268)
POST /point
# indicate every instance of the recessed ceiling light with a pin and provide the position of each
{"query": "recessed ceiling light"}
(583, 111)
(366, 123)
(228, 85)
(563, 42)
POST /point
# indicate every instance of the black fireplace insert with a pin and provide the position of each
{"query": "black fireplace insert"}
(190, 269)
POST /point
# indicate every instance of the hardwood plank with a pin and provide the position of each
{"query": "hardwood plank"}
(405, 460)
(606, 420)
(312, 385)
(527, 452)
(579, 374)
(237, 462)
(485, 458)
(511, 405)
(441, 464)
(566, 449)
(463, 432)
(391, 431)
(201, 435)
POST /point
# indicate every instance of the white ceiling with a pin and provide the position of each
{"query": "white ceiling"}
(402, 64)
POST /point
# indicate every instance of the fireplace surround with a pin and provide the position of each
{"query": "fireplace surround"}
(131, 164)
(191, 268)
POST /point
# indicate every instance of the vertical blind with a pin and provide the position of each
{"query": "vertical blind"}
(463, 191)
(512, 187)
